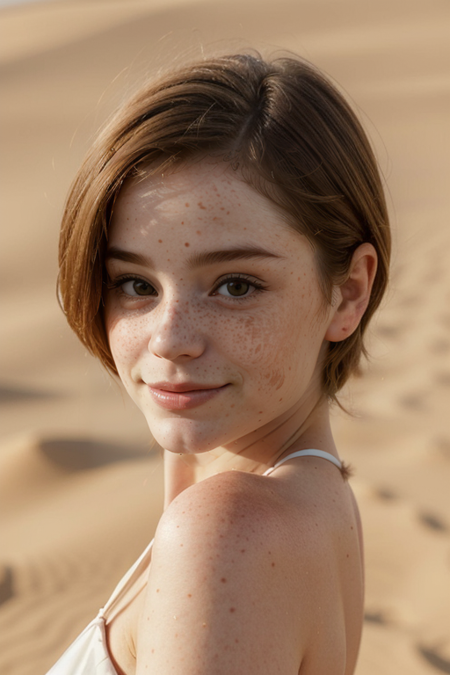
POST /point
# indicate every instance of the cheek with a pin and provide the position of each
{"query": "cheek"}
(126, 340)
(280, 348)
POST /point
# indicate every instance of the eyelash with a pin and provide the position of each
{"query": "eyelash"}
(251, 281)
(120, 281)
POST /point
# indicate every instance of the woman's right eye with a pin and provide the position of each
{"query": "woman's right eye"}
(136, 287)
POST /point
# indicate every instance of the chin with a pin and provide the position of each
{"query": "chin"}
(183, 436)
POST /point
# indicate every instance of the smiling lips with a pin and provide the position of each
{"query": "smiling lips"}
(183, 396)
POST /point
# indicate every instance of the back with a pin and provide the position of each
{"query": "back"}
(326, 537)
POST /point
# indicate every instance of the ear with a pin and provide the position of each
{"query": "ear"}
(350, 299)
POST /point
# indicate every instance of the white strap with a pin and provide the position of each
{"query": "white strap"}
(311, 452)
(127, 579)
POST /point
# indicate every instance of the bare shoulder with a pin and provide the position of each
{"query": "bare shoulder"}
(236, 580)
(230, 528)
(222, 508)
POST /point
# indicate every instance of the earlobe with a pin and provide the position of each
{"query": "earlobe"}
(352, 297)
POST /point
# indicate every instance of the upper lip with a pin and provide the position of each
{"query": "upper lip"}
(183, 386)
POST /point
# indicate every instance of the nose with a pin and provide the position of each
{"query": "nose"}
(176, 335)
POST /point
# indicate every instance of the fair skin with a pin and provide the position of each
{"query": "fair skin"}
(218, 327)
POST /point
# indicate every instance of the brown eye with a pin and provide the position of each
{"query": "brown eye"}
(235, 288)
(136, 287)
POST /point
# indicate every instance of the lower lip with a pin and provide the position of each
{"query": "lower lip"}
(172, 400)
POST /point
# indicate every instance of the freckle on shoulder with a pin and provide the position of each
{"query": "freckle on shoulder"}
(231, 499)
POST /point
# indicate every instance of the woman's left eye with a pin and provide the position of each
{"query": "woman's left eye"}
(237, 287)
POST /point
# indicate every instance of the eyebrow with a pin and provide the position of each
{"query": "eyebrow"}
(114, 253)
(227, 255)
(198, 259)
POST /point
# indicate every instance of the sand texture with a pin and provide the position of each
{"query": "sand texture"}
(80, 487)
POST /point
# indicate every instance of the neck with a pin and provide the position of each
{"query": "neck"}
(258, 451)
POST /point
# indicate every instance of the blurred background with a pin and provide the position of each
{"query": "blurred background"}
(80, 486)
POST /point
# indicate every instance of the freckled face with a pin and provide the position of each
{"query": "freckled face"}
(214, 312)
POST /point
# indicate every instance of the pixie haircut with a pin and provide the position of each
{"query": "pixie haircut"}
(289, 134)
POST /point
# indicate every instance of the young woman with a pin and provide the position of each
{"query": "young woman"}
(223, 249)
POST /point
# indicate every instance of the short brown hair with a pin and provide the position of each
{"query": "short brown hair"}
(291, 135)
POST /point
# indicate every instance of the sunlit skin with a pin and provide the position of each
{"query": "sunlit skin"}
(263, 347)
(218, 327)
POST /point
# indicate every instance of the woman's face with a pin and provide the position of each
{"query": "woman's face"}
(214, 313)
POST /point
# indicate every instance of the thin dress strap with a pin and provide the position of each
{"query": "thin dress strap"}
(128, 579)
(311, 452)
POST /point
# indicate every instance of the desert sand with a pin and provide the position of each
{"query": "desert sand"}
(71, 444)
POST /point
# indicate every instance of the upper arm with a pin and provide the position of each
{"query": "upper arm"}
(219, 598)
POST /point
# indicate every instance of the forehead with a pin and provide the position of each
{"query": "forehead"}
(207, 198)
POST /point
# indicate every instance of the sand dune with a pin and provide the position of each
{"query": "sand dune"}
(62, 551)
(72, 442)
